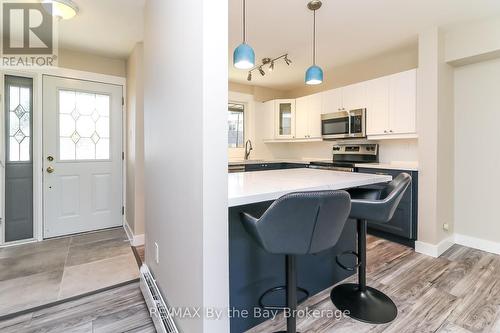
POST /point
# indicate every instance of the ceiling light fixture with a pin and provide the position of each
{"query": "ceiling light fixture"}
(314, 74)
(62, 9)
(243, 55)
(270, 62)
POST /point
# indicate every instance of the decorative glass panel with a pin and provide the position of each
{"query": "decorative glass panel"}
(236, 126)
(83, 126)
(19, 124)
(285, 119)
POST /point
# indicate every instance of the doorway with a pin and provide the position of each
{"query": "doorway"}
(82, 156)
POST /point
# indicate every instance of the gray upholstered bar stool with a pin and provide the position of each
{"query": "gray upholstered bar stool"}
(298, 224)
(365, 303)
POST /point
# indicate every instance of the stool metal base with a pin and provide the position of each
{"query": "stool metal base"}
(370, 306)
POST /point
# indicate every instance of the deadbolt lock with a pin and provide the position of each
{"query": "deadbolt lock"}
(50, 169)
(50, 158)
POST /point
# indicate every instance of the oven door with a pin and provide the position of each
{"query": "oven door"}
(344, 125)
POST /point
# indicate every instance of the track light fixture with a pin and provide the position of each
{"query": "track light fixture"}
(270, 62)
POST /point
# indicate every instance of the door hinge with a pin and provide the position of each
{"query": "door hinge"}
(123, 101)
(123, 156)
(123, 210)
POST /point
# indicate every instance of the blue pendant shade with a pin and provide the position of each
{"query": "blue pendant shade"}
(244, 57)
(314, 75)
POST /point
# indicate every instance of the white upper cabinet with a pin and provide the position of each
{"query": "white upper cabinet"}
(354, 96)
(391, 106)
(265, 120)
(332, 101)
(308, 117)
(285, 118)
(403, 102)
(377, 106)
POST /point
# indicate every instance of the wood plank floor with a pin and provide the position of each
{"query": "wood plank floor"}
(117, 310)
(456, 293)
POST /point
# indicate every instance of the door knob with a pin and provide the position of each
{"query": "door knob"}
(50, 169)
(50, 158)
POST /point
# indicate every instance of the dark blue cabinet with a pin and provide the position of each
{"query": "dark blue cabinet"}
(402, 227)
(273, 166)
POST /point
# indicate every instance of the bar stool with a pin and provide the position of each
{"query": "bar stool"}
(298, 224)
(364, 303)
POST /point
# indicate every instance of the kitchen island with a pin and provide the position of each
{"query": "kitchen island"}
(253, 271)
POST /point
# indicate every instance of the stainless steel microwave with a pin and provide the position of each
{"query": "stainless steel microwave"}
(344, 124)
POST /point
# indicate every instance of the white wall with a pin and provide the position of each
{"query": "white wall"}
(477, 156)
(185, 56)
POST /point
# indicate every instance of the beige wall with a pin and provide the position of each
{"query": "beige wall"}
(135, 141)
(477, 157)
(390, 62)
(260, 94)
(473, 41)
(435, 143)
(91, 63)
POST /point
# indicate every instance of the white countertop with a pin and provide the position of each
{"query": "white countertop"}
(259, 186)
(403, 165)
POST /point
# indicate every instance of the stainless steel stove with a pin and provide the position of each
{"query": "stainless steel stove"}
(345, 157)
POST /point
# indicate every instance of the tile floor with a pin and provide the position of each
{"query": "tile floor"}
(36, 274)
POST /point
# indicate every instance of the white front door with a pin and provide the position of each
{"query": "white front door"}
(82, 145)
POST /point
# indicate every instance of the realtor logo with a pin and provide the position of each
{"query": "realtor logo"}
(28, 34)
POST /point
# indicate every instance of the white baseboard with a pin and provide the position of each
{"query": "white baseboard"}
(478, 243)
(434, 250)
(135, 240)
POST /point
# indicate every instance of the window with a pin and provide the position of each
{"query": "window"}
(83, 126)
(236, 124)
(18, 120)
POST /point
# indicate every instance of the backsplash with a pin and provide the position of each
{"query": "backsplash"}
(390, 150)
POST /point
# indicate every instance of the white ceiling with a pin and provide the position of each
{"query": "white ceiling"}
(105, 27)
(347, 30)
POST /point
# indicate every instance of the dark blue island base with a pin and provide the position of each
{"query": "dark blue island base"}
(253, 271)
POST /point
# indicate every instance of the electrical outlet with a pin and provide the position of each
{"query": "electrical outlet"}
(157, 253)
(446, 227)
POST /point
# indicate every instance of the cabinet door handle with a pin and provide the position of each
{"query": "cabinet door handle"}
(390, 131)
(385, 131)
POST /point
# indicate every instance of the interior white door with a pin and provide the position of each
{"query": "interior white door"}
(82, 144)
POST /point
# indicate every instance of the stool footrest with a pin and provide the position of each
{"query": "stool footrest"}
(348, 268)
(280, 288)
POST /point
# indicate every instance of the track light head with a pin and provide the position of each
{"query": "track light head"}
(287, 61)
(271, 67)
(261, 71)
(249, 77)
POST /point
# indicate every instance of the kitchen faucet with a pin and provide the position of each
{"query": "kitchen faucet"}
(248, 149)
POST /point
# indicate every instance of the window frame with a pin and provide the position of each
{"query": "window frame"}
(245, 108)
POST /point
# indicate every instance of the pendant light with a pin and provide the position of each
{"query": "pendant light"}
(62, 9)
(243, 55)
(314, 74)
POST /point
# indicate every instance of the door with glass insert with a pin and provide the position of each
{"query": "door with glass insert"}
(82, 133)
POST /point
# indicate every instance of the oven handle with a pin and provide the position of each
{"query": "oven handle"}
(349, 117)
